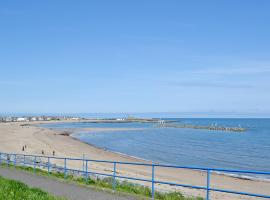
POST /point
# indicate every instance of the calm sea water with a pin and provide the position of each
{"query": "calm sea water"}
(190, 147)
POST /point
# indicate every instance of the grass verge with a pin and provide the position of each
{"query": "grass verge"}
(120, 186)
(15, 190)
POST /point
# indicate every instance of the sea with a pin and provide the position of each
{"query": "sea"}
(249, 150)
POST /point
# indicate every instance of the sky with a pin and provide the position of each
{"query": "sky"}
(143, 56)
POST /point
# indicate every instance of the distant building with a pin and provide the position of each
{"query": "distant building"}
(75, 118)
(33, 119)
(120, 119)
(21, 119)
(8, 119)
(40, 119)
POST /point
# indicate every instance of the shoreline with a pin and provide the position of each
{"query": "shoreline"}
(234, 175)
(115, 152)
(103, 148)
(142, 160)
(38, 138)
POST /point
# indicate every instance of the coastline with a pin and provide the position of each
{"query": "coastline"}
(115, 152)
(73, 134)
(14, 135)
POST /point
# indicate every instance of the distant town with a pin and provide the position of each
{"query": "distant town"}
(38, 118)
(72, 118)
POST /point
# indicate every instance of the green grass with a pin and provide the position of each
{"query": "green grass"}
(123, 186)
(15, 190)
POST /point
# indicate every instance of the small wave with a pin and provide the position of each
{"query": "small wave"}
(245, 177)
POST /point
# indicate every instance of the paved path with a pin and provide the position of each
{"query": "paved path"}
(57, 188)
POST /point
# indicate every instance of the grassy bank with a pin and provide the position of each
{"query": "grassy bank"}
(14, 190)
(106, 183)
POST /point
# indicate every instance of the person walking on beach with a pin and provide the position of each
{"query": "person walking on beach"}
(23, 148)
(53, 153)
(42, 152)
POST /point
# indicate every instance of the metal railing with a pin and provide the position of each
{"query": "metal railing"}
(32, 161)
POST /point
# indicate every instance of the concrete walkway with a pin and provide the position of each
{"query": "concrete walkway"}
(57, 188)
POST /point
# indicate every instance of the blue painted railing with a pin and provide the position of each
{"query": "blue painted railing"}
(21, 159)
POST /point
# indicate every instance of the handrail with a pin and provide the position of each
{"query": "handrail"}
(153, 181)
(147, 164)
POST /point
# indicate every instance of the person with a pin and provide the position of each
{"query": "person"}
(23, 148)
(42, 152)
(53, 153)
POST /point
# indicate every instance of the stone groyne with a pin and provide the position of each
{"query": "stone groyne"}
(214, 128)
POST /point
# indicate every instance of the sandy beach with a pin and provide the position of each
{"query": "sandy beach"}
(13, 136)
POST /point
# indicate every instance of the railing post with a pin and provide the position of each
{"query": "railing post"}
(208, 185)
(48, 165)
(14, 161)
(114, 175)
(83, 163)
(65, 168)
(86, 170)
(153, 181)
(35, 160)
(8, 159)
(0, 158)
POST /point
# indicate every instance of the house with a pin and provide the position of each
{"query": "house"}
(33, 119)
(8, 119)
(120, 119)
(21, 119)
(40, 119)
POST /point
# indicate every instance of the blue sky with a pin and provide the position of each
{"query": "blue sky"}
(135, 56)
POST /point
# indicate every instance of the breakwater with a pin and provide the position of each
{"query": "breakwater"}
(214, 128)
